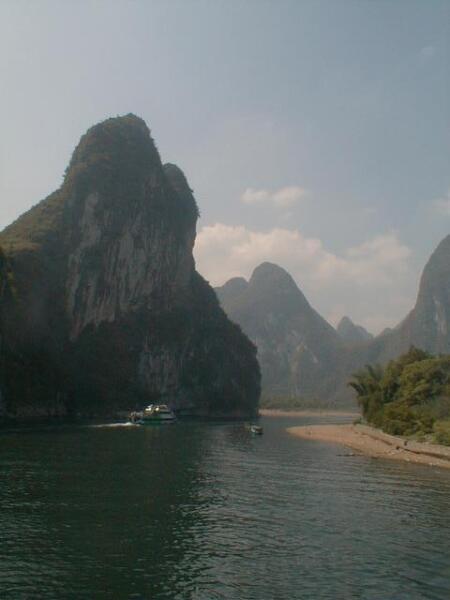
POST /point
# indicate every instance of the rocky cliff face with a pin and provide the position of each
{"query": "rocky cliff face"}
(296, 346)
(428, 325)
(107, 293)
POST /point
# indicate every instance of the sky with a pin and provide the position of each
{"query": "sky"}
(314, 133)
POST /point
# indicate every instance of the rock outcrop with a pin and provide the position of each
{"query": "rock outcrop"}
(108, 312)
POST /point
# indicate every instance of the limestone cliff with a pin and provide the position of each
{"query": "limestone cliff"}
(109, 311)
(428, 325)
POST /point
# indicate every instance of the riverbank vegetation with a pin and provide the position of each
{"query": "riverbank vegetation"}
(409, 397)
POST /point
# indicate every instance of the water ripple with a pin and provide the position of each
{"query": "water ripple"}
(203, 512)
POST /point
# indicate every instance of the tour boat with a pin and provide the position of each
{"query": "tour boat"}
(256, 429)
(154, 413)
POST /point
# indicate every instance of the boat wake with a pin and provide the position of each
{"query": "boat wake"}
(109, 425)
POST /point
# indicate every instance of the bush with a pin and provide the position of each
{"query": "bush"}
(442, 432)
(411, 396)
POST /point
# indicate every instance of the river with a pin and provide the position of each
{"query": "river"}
(205, 511)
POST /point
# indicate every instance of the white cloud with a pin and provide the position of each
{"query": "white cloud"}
(426, 53)
(251, 196)
(283, 198)
(442, 205)
(288, 196)
(354, 282)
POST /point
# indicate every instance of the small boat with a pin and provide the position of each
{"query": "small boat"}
(152, 414)
(256, 429)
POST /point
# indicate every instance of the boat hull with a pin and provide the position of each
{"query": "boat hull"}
(156, 421)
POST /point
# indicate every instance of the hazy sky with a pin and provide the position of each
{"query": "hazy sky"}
(316, 134)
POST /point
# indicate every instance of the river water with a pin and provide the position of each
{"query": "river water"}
(206, 511)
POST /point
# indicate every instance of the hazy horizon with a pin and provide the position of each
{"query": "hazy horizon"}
(314, 134)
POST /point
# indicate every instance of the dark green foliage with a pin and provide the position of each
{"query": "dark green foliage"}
(411, 396)
(442, 432)
(6, 274)
(36, 227)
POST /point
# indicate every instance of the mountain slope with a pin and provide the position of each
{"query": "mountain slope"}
(296, 346)
(428, 324)
(108, 311)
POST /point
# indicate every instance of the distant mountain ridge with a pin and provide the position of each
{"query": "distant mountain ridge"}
(302, 355)
(351, 333)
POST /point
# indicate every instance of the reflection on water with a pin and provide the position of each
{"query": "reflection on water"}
(208, 511)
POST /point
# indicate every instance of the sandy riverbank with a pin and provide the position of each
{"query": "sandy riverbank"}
(276, 412)
(375, 443)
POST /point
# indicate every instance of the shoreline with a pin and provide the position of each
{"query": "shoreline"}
(279, 412)
(376, 444)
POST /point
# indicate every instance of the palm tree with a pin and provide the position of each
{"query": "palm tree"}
(366, 384)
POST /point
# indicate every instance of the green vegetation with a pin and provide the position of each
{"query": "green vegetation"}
(410, 396)
(35, 227)
(8, 290)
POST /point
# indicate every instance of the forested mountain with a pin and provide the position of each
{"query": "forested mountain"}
(100, 305)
